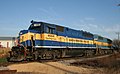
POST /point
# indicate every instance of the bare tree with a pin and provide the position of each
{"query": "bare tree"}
(116, 44)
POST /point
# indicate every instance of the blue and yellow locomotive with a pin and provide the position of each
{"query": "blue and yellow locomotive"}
(48, 41)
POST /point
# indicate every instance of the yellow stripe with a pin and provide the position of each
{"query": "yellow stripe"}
(53, 37)
(102, 43)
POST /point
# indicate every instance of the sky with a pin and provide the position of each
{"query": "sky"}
(100, 17)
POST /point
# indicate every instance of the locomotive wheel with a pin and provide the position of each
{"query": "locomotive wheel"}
(35, 55)
(63, 53)
(89, 53)
(46, 54)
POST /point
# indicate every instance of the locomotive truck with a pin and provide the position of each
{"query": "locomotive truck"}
(49, 41)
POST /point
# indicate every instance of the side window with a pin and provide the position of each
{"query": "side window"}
(50, 30)
(100, 38)
(60, 28)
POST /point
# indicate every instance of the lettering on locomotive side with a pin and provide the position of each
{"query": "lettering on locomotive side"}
(50, 35)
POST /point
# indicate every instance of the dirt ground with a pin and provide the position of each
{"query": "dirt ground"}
(106, 65)
(50, 68)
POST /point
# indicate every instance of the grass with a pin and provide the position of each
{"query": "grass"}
(3, 54)
(3, 60)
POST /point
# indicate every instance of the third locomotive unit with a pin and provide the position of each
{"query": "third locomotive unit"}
(48, 41)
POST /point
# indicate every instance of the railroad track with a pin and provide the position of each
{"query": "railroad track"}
(62, 60)
(8, 71)
(66, 60)
(15, 72)
(79, 59)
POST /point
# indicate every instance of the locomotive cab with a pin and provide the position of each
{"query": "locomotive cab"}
(31, 36)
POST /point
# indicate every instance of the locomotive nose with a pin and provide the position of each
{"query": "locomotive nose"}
(23, 37)
(29, 38)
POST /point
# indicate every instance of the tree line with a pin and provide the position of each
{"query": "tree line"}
(116, 44)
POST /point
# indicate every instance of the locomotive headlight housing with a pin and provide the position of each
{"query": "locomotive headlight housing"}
(21, 33)
(36, 25)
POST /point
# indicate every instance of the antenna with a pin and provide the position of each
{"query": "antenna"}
(32, 21)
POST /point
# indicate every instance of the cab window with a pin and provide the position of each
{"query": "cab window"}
(50, 30)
